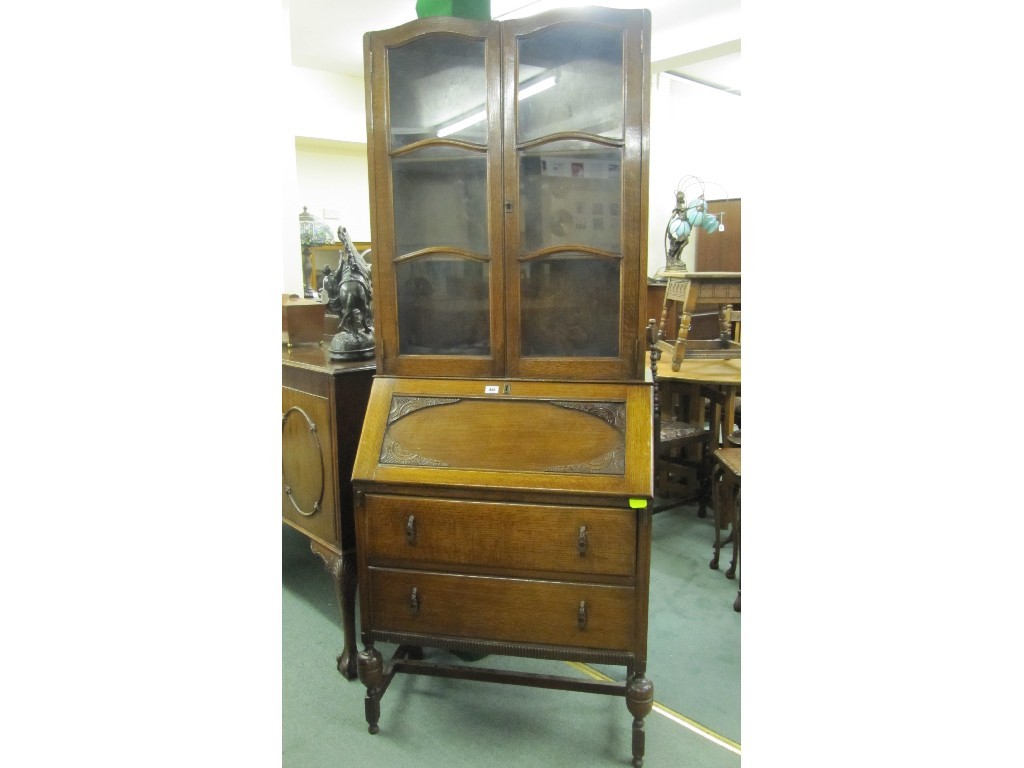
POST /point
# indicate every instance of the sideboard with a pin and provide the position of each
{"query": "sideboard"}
(322, 408)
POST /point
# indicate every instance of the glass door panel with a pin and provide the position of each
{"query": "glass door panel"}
(438, 88)
(443, 305)
(570, 192)
(440, 199)
(569, 306)
(570, 79)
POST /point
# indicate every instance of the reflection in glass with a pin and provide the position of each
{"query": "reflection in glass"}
(440, 199)
(587, 65)
(443, 306)
(570, 306)
(570, 192)
(436, 82)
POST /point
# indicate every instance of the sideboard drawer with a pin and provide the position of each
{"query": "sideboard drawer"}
(503, 610)
(576, 540)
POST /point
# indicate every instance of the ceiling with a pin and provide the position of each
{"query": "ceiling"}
(697, 39)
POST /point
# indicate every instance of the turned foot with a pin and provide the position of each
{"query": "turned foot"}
(713, 565)
(639, 701)
(736, 602)
(731, 573)
(371, 674)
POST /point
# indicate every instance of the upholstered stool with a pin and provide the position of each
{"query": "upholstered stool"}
(725, 498)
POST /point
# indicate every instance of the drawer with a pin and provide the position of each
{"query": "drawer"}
(501, 609)
(577, 540)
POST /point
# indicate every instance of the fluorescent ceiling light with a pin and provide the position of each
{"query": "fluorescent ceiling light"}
(535, 88)
(465, 122)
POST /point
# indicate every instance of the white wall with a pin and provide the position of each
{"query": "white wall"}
(331, 181)
(329, 168)
(326, 105)
(695, 131)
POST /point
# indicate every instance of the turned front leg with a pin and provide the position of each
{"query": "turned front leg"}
(685, 321)
(725, 324)
(683, 292)
(371, 674)
(639, 701)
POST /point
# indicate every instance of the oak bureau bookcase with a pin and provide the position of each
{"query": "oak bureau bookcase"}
(504, 472)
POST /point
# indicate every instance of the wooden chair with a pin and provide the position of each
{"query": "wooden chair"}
(725, 495)
(682, 468)
(692, 289)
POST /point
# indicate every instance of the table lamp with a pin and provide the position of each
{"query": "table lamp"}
(312, 232)
(685, 217)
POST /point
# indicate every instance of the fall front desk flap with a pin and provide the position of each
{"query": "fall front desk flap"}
(588, 438)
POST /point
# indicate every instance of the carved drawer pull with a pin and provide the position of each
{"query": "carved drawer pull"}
(581, 541)
(582, 618)
(410, 530)
(414, 602)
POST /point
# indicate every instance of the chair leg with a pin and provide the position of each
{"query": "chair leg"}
(706, 487)
(734, 494)
(716, 494)
(703, 481)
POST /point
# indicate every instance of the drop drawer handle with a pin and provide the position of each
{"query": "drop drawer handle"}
(581, 541)
(410, 530)
(414, 602)
(582, 617)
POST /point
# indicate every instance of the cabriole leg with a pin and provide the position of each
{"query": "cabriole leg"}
(342, 569)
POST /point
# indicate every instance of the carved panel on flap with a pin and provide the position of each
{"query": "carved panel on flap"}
(506, 435)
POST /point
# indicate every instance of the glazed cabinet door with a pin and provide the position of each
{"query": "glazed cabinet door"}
(575, 89)
(435, 177)
(508, 180)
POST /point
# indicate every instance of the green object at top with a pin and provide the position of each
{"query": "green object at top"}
(466, 9)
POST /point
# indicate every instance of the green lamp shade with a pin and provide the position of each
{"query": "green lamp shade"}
(710, 223)
(679, 228)
(466, 9)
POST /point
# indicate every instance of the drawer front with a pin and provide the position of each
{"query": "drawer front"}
(502, 610)
(575, 540)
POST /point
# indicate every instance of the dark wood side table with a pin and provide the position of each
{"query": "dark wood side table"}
(322, 408)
